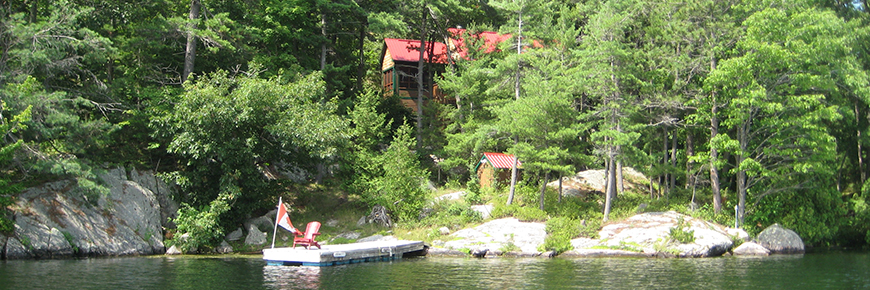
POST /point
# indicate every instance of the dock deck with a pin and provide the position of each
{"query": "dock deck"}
(330, 255)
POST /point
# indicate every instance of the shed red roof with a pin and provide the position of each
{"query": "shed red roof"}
(490, 40)
(499, 160)
(409, 50)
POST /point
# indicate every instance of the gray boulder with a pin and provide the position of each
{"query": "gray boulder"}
(444, 231)
(485, 210)
(255, 236)
(263, 223)
(173, 251)
(224, 248)
(235, 235)
(479, 253)
(349, 235)
(15, 250)
(751, 249)
(780, 240)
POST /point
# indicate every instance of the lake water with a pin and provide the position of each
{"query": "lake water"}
(833, 270)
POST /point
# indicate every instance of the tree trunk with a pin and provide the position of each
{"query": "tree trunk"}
(517, 95)
(714, 155)
(513, 181)
(858, 138)
(420, 77)
(361, 68)
(34, 10)
(743, 139)
(323, 45)
(611, 185)
(690, 152)
(673, 181)
(519, 52)
(544, 189)
(560, 188)
(664, 176)
(620, 180)
(190, 51)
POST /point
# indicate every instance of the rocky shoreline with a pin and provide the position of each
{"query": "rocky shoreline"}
(642, 235)
(57, 220)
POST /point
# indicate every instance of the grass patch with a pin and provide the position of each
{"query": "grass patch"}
(630, 246)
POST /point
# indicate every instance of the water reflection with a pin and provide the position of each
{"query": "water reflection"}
(291, 277)
(847, 270)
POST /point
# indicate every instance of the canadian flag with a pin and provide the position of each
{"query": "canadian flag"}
(283, 218)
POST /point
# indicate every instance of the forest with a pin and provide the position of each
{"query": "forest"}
(755, 110)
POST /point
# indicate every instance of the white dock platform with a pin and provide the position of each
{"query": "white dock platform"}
(330, 255)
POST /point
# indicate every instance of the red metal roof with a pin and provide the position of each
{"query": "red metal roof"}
(409, 50)
(490, 40)
(499, 160)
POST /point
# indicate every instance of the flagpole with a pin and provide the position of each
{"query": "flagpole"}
(275, 228)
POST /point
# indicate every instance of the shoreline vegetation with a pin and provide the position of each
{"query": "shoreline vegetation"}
(135, 127)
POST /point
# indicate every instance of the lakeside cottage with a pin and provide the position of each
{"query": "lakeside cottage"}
(400, 63)
(495, 168)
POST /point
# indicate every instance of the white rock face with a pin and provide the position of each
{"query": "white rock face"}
(592, 180)
(650, 231)
(485, 210)
(498, 233)
(173, 251)
(60, 222)
(451, 196)
(751, 249)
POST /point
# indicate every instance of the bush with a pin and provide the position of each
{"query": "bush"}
(6, 224)
(680, 233)
(560, 231)
(526, 214)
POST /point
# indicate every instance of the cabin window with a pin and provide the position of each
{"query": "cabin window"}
(388, 81)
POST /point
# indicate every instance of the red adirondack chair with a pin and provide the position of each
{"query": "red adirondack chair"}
(307, 238)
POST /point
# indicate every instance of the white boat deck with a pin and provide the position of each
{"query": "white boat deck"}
(330, 255)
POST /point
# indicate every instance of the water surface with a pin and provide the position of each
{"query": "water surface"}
(835, 270)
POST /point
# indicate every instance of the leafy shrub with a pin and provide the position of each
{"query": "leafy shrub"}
(472, 191)
(203, 225)
(6, 224)
(680, 233)
(399, 185)
(814, 213)
(526, 214)
(560, 231)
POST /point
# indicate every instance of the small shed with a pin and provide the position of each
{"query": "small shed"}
(495, 168)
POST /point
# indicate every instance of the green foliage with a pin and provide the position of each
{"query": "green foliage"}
(341, 240)
(71, 241)
(230, 131)
(560, 231)
(630, 246)
(814, 214)
(509, 247)
(400, 185)
(522, 213)
(681, 233)
(202, 226)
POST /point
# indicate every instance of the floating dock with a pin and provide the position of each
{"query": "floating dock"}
(330, 255)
